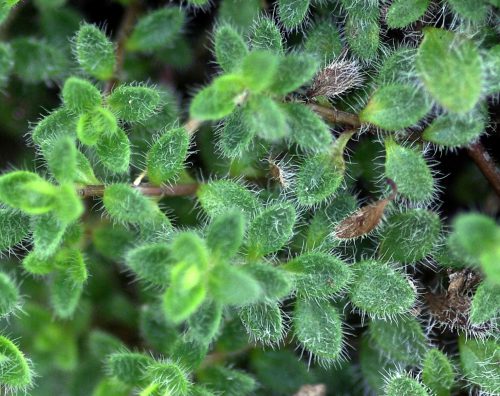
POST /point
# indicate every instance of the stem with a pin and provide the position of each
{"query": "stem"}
(125, 29)
(486, 164)
(178, 190)
(335, 116)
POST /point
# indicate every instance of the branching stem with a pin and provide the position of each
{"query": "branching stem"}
(486, 164)
(177, 190)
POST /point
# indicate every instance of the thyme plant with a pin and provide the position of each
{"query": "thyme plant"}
(244, 197)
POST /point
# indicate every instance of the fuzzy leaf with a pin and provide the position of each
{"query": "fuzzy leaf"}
(362, 33)
(14, 227)
(265, 118)
(61, 159)
(94, 51)
(409, 170)
(380, 290)
(455, 84)
(263, 322)
(134, 103)
(225, 234)
(166, 157)
(318, 328)
(275, 282)
(271, 229)
(318, 275)
(128, 367)
(9, 296)
(16, 372)
(307, 129)
(410, 236)
(218, 196)
(258, 69)
(156, 30)
(58, 123)
(204, 324)
(231, 285)
(294, 70)
(48, 232)
(28, 192)
(403, 12)
(292, 12)
(395, 106)
(93, 125)
(230, 48)
(403, 385)
(324, 41)
(266, 35)
(485, 304)
(80, 96)
(151, 262)
(235, 138)
(6, 63)
(437, 373)
(114, 150)
(218, 99)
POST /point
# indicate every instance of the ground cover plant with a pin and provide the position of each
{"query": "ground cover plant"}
(249, 197)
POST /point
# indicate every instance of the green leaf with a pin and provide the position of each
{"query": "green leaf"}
(318, 328)
(235, 138)
(491, 61)
(410, 236)
(396, 106)
(271, 229)
(114, 150)
(292, 12)
(228, 382)
(307, 129)
(240, 13)
(478, 236)
(171, 378)
(403, 341)
(204, 325)
(9, 297)
(69, 205)
(48, 232)
(479, 360)
(398, 67)
(475, 11)
(294, 70)
(84, 172)
(93, 125)
(36, 265)
(404, 385)
(186, 293)
(218, 196)
(456, 130)
(80, 96)
(230, 48)
(189, 247)
(60, 122)
(362, 33)
(380, 290)
(232, 285)
(28, 192)
(37, 61)
(266, 35)
(455, 84)
(156, 30)
(14, 227)
(263, 323)
(218, 99)
(485, 304)
(437, 373)
(318, 275)
(134, 103)
(166, 157)
(94, 52)
(225, 234)
(65, 294)
(15, 370)
(61, 159)
(275, 282)
(151, 262)
(318, 178)
(128, 367)
(323, 40)
(265, 118)
(374, 365)
(407, 167)
(259, 69)
(127, 205)
(403, 12)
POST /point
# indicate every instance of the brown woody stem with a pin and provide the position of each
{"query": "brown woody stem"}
(178, 190)
(486, 164)
(335, 116)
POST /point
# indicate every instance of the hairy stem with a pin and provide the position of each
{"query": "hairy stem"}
(177, 190)
(125, 29)
(486, 164)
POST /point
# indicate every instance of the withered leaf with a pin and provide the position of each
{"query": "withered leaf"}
(362, 221)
